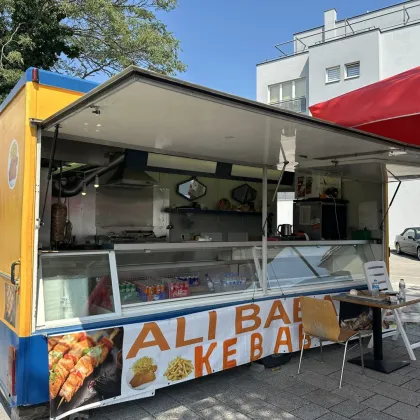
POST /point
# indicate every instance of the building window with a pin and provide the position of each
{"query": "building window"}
(352, 70)
(333, 74)
(290, 95)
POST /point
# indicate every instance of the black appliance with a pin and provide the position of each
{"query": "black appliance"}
(321, 218)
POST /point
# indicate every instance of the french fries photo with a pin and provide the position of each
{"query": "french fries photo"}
(178, 369)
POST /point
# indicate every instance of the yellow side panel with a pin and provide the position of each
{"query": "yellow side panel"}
(48, 100)
(12, 165)
(41, 102)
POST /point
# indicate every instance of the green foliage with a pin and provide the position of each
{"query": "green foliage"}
(85, 37)
(30, 35)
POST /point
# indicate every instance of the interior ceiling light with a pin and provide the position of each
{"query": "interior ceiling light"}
(84, 189)
(96, 184)
(98, 125)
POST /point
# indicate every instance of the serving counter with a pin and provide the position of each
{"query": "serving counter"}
(139, 279)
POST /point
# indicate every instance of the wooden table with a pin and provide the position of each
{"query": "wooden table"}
(376, 359)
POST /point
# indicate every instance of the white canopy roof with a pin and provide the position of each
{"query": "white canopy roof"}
(143, 110)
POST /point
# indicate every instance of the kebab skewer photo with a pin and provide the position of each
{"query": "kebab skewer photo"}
(61, 370)
(52, 342)
(85, 366)
(63, 346)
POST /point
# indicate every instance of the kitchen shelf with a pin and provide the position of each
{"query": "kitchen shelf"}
(200, 211)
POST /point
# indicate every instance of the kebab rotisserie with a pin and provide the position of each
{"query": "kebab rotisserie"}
(94, 357)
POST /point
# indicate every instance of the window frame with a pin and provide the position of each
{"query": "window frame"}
(346, 76)
(327, 82)
(405, 234)
(41, 323)
(280, 85)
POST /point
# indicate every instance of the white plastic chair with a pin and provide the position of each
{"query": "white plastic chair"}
(377, 270)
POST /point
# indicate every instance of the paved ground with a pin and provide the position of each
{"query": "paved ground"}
(242, 394)
(405, 267)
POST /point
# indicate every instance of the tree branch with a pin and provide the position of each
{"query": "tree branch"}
(2, 56)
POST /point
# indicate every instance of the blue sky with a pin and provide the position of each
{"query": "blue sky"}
(223, 40)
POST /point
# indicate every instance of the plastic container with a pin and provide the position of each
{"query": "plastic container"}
(375, 288)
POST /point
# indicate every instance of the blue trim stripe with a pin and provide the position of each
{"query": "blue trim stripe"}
(61, 81)
(182, 312)
(48, 78)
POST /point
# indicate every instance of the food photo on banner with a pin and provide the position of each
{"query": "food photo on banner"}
(96, 368)
(85, 370)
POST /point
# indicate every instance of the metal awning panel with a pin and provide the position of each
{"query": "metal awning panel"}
(143, 110)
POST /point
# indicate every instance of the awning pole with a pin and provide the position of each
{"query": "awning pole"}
(50, 170)
(264, 233)
(285, 163)
(392, 200)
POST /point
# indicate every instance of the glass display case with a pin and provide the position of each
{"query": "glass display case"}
(138, 279)
(77, 286)
(306, 265)
(188, 272)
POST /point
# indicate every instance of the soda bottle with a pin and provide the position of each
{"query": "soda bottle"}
(402, 290)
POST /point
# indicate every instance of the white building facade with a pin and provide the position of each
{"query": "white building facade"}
(341, 56)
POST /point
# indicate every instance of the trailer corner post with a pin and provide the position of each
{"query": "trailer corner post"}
(265, 230)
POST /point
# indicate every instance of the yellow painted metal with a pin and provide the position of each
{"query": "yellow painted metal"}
(41, 102)
(47, 100)
(17, 204)
(12, 128)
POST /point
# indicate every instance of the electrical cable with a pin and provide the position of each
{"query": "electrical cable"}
(336, 217)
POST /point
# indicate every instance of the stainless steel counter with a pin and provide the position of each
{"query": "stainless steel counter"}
(181, 246)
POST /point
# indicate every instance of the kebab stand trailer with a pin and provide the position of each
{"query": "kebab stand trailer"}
(139, 244)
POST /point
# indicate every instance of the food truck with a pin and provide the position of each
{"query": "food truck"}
(140, 246)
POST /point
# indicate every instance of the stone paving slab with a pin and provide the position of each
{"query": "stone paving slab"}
(347, 408)
(404, 411)
(310, 412)
(378, 402)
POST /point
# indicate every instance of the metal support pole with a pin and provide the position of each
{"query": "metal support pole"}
(390, 204)
(264, 233)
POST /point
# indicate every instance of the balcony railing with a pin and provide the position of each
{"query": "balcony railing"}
(295, 105)
(399, 17)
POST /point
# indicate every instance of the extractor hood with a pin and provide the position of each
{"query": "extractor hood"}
(130, 173)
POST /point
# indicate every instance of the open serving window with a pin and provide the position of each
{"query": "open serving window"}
(115, 147)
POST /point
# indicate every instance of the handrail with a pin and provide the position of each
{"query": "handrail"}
(292, 104)
(406, 20)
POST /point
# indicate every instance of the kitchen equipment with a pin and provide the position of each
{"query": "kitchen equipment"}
(321, 218)
(284, 230)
